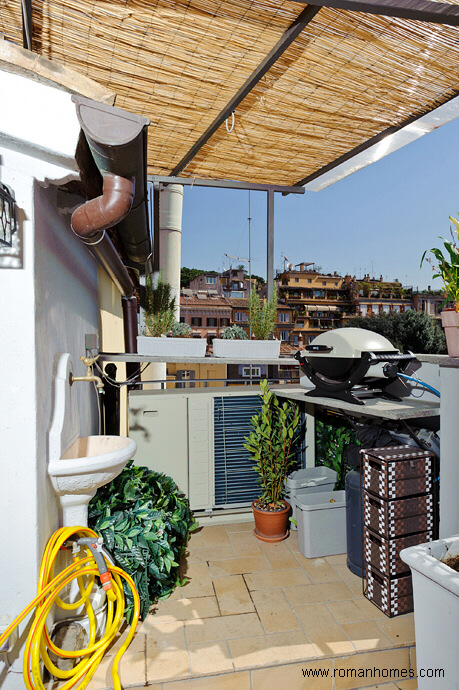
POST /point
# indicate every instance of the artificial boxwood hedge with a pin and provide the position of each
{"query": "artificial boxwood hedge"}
(145, 522)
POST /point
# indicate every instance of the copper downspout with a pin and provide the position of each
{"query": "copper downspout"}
(89, 222)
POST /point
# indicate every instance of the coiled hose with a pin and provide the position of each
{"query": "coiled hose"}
(84, 570)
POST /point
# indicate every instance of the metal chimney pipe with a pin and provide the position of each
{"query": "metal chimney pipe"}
(170, 239)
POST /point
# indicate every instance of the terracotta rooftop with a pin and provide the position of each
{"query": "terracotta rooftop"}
(204, 301)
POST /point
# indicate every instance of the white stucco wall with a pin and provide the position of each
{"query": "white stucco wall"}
(48, 304)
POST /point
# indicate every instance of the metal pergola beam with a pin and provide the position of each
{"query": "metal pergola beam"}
(270, 243)
(366, 145)
(281, 46)
(225, 184)
(27, 24)
(420, 10)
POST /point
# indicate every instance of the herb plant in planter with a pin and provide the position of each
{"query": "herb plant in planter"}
(262, 314)
(234, 332)
(160, 320)
(262, 318)
(272, 446)
(181, 330)
(159, 308)
(145, 523)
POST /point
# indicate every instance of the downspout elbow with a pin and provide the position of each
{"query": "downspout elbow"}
(99, 214)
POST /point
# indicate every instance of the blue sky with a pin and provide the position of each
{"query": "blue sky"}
(379, 220)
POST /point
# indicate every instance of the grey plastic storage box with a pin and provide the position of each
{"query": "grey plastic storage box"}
(321, 523)
(308, 481)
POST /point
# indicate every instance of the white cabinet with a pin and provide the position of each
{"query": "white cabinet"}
(158, 424)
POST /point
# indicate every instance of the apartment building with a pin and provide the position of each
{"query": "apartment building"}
(207, 312)
(231, 283)
(373, 296)
(318, 300)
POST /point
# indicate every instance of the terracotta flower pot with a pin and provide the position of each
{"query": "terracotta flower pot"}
(271, 525)
(450, 323)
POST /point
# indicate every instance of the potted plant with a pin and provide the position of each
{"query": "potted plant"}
(272, 446)
(160, 320)
(262, 317)
(435, 572)
(447, 269)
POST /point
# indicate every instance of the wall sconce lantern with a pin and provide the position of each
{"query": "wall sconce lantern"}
(8, 224)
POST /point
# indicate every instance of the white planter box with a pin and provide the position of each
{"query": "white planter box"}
(246, 349)
(436, 611)
(171, 347)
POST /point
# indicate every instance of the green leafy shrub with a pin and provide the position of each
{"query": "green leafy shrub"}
(234, 332)
(145, 522)
(181, 330)
(262, 314)
(413, 331)
(331, 445)
(272, 445)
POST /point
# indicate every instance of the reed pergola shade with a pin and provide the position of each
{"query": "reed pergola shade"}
(309, 85)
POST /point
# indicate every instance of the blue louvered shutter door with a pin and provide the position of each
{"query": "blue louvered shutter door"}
(236, 483)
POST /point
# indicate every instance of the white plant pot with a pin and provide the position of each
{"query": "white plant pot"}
(171, 347)
(246, 349)
(436, 611)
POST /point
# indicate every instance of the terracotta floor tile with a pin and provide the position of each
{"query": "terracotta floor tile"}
(137, 643)
(323, 631)
(195, 539)
(211, 553)
(214, 536)
(366, 636)
(315, 594)
(353, 581)
(210, 657)
(411, 684)
(413, 663)
(185, 609)
(240, 527)
(355, 671)
(167, 655)
(279, 555)
(317, 569)
(266, 650)
(132, 669)
(277, 578)
(223, 628)
(228, 681)
(233, 595)
(359, 609)
(101, 679)
(176, 594)
(292, 541)
(245, 544)
(339, 558)
(274, 611)
(400, 630)
(239, 566)
(200, 583)
(294, 676)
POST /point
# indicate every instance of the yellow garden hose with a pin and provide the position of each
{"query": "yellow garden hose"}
(84, 570)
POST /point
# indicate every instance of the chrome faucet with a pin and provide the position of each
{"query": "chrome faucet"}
(88, 362)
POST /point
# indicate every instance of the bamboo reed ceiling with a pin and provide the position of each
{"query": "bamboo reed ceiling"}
(347, 77)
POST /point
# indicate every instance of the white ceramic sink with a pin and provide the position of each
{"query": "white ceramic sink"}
(89, 463)
(78, 465)
(96, 460)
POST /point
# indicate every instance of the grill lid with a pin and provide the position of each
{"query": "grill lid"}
(348, 343)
